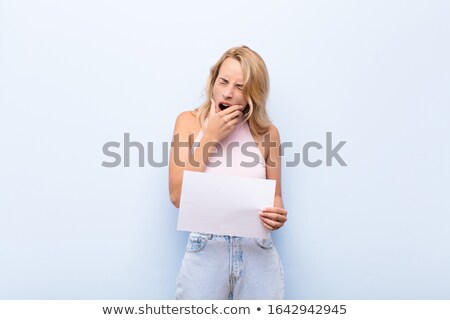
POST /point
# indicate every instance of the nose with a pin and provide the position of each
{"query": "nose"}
(228, 92)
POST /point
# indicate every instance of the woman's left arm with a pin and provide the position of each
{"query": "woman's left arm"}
(274, 217)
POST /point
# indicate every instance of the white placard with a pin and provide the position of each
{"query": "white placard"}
(225, 205)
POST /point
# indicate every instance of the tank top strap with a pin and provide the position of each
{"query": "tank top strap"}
(199, 136)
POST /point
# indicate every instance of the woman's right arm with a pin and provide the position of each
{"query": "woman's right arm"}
(181, 158)
(180, 154)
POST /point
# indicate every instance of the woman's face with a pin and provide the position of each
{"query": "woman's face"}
(229, 85)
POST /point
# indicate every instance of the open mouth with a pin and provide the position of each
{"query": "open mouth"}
(223, 106)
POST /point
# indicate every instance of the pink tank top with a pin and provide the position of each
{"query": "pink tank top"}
(240, 155)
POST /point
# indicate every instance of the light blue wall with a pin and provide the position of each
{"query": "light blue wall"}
(77, 74)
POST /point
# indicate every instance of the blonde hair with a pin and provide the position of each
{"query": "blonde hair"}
(255, 91)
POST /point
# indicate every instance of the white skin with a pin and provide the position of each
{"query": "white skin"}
(227, 89)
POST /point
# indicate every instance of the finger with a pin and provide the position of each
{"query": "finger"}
(233, 123)
(274, 216)
(274, 209)
(267, 226)
(271, 223)
(271, 214)
(233, 115)
(232, 109)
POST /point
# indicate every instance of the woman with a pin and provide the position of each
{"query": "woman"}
(228, 267)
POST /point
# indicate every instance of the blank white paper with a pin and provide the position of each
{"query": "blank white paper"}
(224, 205)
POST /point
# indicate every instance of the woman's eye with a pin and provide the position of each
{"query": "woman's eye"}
(240, 88)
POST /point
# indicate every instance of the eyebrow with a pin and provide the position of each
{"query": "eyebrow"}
(238, 84)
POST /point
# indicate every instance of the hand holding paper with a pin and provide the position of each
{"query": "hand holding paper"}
(225, 205)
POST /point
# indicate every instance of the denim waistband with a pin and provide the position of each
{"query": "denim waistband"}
(210, 236)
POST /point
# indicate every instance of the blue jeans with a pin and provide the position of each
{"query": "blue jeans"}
(224, 267)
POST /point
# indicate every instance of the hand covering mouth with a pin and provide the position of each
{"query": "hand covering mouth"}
(223, 106)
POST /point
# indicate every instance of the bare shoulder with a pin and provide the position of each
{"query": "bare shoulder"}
(186, 121)
(273, 132)
(186, 117)
(271, 136)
